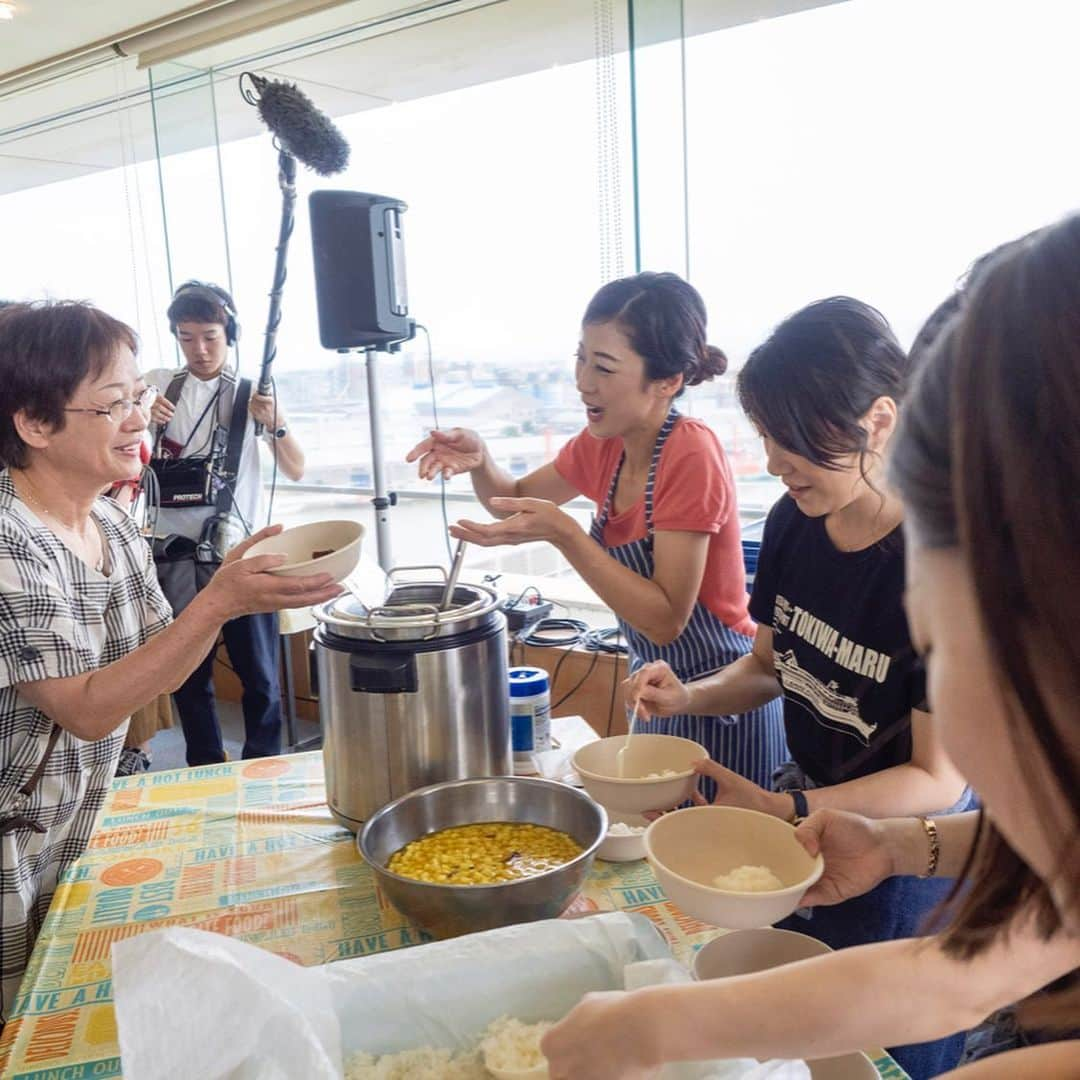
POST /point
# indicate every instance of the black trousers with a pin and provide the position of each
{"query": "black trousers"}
(252, 644)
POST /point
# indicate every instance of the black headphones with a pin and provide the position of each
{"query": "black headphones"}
(214, 294)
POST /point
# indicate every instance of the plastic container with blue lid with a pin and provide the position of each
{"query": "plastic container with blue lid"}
(530, 715)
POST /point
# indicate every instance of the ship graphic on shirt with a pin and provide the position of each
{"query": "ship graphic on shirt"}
(835, 710)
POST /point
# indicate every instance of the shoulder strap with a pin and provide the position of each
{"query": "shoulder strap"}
(172, 395)
(226, 399)
(605, 509)
(176, 385)
(237, 430)
(650, 482)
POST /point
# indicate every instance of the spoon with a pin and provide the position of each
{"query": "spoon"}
(620, 757)
(455, 571)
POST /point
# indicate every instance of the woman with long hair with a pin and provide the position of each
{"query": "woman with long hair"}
(987, 463)
(825, 391)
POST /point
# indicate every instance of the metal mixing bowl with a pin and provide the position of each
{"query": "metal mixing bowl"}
(450, 910)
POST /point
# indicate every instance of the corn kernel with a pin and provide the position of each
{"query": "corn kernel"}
(484, 854)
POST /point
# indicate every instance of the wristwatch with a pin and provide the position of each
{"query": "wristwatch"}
(280, 433)
(801, 808)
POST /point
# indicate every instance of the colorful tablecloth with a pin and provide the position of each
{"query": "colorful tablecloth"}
(247, 849)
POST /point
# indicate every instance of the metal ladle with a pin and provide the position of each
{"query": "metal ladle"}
(452, 577)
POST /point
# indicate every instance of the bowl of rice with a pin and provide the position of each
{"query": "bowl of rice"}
(625, 838)
(657, 771)
(730, 867)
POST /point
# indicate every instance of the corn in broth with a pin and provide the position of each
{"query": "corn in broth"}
(484, 854)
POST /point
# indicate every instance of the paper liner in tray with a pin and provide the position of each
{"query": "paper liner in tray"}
(446, 993)
(226, 1009)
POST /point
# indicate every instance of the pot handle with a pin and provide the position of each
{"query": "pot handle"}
(420, 566)
(397, 611)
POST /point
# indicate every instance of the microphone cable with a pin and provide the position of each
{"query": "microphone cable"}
(151, 492)
(554, 633)
(606, 640)
(435, 418)
(198, 424)
(235, 507)
(566, 634)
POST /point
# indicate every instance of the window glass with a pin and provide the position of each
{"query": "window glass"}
(503, 251)
(78, 218)
(872, 148)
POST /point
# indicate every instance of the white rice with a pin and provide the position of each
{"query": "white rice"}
(506, 1044)
(748, 879)
(510, 1044)
(423, 1064)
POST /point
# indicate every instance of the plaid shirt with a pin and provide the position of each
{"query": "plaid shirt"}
(58, 618)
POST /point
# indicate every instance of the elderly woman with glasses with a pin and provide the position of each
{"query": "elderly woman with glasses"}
(86, 636)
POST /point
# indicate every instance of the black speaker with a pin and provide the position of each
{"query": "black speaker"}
(359, 269)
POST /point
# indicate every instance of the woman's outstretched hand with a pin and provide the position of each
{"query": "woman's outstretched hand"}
(447, 453)
(529, 520)
(735, 790)
(607, 1036)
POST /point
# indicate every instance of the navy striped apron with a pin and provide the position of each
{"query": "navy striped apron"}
(751, 744)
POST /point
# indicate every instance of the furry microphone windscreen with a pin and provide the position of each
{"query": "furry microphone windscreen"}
(301, 129)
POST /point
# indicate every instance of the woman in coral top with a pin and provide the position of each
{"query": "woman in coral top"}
(664, 551)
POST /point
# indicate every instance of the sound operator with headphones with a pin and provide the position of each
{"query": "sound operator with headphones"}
(206, 461)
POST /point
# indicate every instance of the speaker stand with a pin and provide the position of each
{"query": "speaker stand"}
(383, 500)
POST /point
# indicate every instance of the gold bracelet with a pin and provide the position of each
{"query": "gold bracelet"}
(930, 827)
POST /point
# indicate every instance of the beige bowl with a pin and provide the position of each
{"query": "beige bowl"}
(746, 951)
(689, 849)
(623, 848)
(596, 764)
(300, 545)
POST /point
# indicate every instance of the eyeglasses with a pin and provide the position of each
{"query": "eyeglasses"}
(120, 410)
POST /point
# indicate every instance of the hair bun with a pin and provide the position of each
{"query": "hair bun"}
(713, 362)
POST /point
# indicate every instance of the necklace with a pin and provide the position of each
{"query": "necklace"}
(99, 563)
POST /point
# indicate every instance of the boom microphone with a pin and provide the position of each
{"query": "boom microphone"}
(300, 129)
(302, 133)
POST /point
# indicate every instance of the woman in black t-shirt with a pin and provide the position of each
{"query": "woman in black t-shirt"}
(824, 391)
